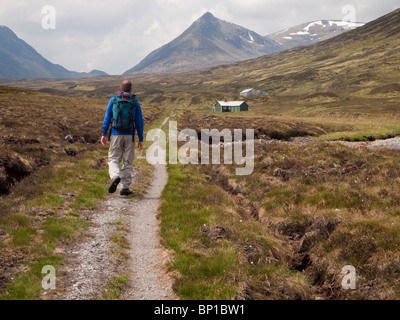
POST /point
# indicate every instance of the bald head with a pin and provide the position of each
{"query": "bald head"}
(126, 86)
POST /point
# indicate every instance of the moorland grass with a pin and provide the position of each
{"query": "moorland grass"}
(209, 268)
(269, 220)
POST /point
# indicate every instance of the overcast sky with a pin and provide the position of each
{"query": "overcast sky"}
(115, 35)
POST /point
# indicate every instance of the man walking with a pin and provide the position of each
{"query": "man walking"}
(125, 115)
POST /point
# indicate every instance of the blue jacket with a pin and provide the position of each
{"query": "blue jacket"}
(138, 122)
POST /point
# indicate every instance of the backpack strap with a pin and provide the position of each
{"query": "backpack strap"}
(125, 95)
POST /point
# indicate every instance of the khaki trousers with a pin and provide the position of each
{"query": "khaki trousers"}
(122, 149)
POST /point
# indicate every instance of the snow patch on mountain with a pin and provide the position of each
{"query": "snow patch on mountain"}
(312, 32)
(251, 38)
(324, 23)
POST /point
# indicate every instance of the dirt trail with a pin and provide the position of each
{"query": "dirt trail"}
(90, 263)
(150, 279)
(392, 143)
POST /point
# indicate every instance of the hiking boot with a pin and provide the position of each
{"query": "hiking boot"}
(125, 192)
(114, 183)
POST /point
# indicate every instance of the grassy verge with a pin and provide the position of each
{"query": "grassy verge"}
(38, 225)
(218, 253)
(28, 285)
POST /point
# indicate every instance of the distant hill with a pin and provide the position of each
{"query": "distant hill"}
(207, 42)
(312, 32)
(18, 60)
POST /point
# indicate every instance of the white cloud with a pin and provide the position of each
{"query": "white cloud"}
(116, 35)
(155, 26)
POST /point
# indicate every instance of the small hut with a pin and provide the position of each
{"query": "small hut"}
(252, 92)
(230, 106)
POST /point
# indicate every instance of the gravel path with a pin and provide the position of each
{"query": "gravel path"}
(393, 143)
(150, 279)
(90, 263)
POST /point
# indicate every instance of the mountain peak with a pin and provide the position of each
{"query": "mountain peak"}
(208, 42)
(207, 16)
